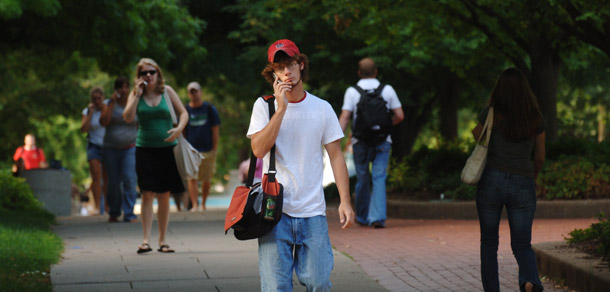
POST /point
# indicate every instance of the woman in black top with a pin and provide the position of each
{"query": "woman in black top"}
(509, 177)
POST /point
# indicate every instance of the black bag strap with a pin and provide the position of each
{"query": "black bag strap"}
(377, 90)
(359, 89)
(252, 169)
(271, 174)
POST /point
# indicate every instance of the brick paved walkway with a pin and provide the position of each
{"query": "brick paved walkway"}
(437, 255)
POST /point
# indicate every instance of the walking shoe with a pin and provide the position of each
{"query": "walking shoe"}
(378, 225)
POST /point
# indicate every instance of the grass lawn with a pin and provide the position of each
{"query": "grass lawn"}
(28, 247)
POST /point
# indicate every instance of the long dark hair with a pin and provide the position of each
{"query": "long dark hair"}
(516, 113)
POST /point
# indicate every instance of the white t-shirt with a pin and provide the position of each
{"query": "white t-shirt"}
(352, 97)
(96, 131)
(307, 126)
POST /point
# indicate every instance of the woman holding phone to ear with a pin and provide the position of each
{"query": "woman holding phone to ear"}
(155, 164)
(95, 144)
(119, 155)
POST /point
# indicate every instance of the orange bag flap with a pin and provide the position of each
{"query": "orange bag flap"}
(270, 188)
(236, 208)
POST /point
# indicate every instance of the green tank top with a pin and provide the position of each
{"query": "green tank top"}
(153, 124)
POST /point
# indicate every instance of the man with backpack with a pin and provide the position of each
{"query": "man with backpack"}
(375, 108)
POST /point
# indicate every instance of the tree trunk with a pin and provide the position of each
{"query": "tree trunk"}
(405, 133)
(543, 81)
(601, 123)
(448, 93)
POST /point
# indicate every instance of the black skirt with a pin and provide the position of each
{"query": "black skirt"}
(156, 170)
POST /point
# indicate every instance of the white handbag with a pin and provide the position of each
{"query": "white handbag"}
(187, 157)
(471, 174)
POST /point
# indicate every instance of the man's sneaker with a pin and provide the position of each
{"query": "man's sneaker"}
(378, 225)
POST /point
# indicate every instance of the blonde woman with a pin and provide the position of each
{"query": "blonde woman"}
(155, 163)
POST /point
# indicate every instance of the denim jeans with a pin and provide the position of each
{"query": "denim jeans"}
(299, 244)
(371, 203)
(120, 165)
(495, 190)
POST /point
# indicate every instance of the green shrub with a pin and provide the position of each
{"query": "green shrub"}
(401, 177)
(575, 169)
(435, 170)
(15, 194)
(331, 194)
(574, 177)
(591, 150)
(463, 192)
(597, 236)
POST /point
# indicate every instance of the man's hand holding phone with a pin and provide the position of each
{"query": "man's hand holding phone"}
(280, 88)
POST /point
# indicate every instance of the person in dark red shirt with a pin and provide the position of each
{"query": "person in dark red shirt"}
(32, 156)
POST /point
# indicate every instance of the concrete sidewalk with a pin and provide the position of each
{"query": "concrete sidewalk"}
(101, 256)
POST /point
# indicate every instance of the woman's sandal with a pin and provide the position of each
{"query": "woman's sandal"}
(165, 249)
(144, 248)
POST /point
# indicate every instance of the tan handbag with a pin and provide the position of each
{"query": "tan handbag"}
(471, 174)
(187, 157)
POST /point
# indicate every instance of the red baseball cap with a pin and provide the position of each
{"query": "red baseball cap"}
(282, 45)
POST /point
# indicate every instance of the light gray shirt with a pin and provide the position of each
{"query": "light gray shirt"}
(96, 131)
(120, 134)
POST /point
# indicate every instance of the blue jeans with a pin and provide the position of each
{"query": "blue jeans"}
(371, 203)
(299, 244)
(495, 190)
(120, 165)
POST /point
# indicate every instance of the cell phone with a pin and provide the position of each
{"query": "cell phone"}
(145, 83)
(278, 79)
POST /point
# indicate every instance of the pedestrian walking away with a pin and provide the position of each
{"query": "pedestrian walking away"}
(373, 108)
(302, 125)
(155, 163)
(119, 155)
(202, 131)
(509, 177)
(90, 124)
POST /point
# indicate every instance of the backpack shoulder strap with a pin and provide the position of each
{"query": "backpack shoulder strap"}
(359, 89)
(379, 89)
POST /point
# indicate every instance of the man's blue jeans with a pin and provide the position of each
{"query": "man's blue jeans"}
(495, 190)
(296, 244)
(371, 203)
(121, 167)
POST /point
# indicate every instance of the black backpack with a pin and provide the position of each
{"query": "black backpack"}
(373, 118)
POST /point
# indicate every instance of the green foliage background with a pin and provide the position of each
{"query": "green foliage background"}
(442, 57)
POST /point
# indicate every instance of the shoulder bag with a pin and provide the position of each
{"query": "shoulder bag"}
(187, 157)
(255, 209)
(471, 174)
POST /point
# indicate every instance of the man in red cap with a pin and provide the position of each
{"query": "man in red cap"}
(301, 126)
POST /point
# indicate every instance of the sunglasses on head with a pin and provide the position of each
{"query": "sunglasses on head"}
(144, 73)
